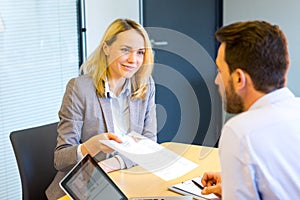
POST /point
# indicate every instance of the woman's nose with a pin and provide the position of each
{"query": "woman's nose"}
(132, 57)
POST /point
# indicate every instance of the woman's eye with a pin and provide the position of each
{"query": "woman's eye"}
(125, 50)
(141, 52)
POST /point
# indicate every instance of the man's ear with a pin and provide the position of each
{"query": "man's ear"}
(106, 49)
(239, 79)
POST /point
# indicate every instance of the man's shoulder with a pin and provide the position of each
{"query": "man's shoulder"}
(266, 116)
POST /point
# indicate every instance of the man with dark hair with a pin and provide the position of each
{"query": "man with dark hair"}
(258, 147)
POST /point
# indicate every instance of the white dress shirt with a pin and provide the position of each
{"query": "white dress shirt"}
(259, 150)
(120, 113)
(120, 109)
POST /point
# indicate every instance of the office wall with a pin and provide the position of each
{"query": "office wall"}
(283, 13)
(100, 13)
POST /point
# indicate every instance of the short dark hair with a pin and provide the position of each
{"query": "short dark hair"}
(258, 48)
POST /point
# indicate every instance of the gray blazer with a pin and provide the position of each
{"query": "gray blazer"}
(83, 114)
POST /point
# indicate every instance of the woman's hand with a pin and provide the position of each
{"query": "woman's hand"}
(93, 146)
(110, 164)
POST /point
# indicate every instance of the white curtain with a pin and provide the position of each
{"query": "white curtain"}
(39, 53)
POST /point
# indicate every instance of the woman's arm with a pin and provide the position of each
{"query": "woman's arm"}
(69, 128)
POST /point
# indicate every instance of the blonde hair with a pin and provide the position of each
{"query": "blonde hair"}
(96, 64)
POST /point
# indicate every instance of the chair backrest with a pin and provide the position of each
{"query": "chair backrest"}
(34, 151)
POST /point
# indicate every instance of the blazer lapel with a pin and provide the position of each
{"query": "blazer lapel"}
(107, 113)
(134, 107)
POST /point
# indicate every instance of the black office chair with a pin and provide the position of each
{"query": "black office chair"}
(34, 151)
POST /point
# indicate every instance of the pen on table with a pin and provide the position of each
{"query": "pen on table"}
(198, 185)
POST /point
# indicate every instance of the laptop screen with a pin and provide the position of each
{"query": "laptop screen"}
(87, 181)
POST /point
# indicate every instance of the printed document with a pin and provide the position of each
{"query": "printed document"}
(153, 157)
(189, 188)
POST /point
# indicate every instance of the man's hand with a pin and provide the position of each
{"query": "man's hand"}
(93, 146)
(212, 182)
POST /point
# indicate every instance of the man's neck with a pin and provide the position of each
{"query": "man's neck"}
(250, 97)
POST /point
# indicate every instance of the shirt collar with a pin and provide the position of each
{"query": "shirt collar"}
(273, 97)
(126, 90)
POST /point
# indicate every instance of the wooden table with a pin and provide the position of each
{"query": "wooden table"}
(138, 182)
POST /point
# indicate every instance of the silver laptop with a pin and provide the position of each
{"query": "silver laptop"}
(87, 181)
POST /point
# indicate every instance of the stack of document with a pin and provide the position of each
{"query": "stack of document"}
(153, 157)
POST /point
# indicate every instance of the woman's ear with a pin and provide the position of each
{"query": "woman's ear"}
(106, 49)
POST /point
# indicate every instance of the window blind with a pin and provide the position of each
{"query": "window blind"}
(39, 53)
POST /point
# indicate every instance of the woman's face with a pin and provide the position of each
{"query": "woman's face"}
(125, 55)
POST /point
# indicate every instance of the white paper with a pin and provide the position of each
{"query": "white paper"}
(151, 156)
(188, 187)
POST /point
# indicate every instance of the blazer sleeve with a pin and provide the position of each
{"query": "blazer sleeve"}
(69, 127)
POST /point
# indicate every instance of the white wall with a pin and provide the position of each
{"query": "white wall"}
(100, 13)
(283, 13)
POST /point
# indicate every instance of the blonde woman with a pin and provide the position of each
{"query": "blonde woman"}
(113, 96)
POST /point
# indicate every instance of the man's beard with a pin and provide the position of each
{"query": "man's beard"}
(234, 103)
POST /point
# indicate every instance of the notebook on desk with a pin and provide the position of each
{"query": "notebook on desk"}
(190, 187)
(86, 180)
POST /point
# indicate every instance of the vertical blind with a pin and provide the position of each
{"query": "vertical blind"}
(39, 53)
